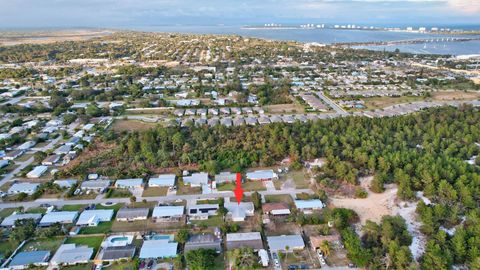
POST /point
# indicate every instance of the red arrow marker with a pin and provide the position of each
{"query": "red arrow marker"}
(238, 190)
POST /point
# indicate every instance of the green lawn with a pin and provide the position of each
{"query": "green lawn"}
(51, 244)
(219, 262)
(7, 247)
(118, 193)
(87, 266)
(73, 207)
(247, 186)
(6, 212)
(186, 189)
(213, 221)
(207, 201)
(155, 191)
(102, 227)
(91, 241)
(121, 266)
(36, 210)
(279, 198)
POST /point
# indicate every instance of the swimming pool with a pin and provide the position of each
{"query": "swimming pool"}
(119, 239)
(161, 237)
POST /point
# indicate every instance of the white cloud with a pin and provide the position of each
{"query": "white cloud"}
(466, 6)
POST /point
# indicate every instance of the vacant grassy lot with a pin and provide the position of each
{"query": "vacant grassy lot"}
(155, 191)
(247, 186)
(382, 102)
(298, 177)
(91, 241)
(87, 266)
(51, 244)
(284, 108)
(279, 198)
(115, 207)
(131, 125)
(36, 210)
(186, 189)
(455, 95)
(7, 247)
(103, 227)
(145, 225)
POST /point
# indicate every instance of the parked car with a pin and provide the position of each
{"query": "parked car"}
(150, 264)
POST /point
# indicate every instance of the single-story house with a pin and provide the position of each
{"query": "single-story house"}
(116, 253)
(70, 254)
(163, 180)
(129, 183)
(26, 258)
(93, 217)
(4, 163)
(153, 249)
(262, 175)
(167, 213)
(13, 154)
(26, 145)
(72, 141)
(51, 160)
(307, 206)
(225, 177)
(238, 240)
(202, 211)
(66, 183)
(37, 172)
(96, 185)
(62, 150)
(276, 209)
(10, 220)
(132, 214)
(280, 243)
(196, 179)
(28, 188)
(238, 212)
(205, 241)
(64, 217)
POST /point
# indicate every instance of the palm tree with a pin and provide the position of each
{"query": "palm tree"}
(325, 248)
(286, 251)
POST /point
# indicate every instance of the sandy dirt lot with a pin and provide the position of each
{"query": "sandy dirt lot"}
(131, 125)
(455, 95)
(284, 108)
(45, 37)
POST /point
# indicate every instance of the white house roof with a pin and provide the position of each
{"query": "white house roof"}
(99, 214)
(232, 237)
(94, 184)
(239, 211)
(37, 171)
(262, 174)
(168, 211)
(28, 188)
(158, 249)
(60, 216)
(134, 182)
(277, 243)
(10, 220)
(164, 180)
(307, 204)
(65, 183)
(196, 179)
(70, 254)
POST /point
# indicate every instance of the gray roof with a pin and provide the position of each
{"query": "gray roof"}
(278, 243)
(135, 182)
(115, 253)
(28, 188)
(95, 184)
(129, 213)
(60, 216)
(10, 220)
(70, 254)
(168, 211)
(158, 249)
(30, 257)
(232, 237)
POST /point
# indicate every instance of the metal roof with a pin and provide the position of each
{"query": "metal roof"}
(10, 220)
(243, 236)
(132, 212)
(71, 253)
(164, 180)
(306, 204)
(30, 257)
(168, 211)
(134, 182)
(262, 174)
(97, 214)
(158, 249)
(294, 241)
(60, 216)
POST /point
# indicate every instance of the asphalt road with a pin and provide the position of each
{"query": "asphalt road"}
(61, 202)
(332, 104)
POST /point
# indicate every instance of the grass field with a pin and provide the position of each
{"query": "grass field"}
(279, 198)
(7, 247)
(298, 177)
(247, 186)
(284, 108)
(51, 244)
(36, 210)
(214, 221)
(73, 207)
(115, 207)
(155, 191)
(6, 212)
(91, 241)
(102, 227)
(87, 266)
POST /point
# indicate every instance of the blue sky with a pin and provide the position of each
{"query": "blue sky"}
(137, 13)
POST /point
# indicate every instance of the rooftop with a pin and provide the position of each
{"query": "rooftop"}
(30, 257)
